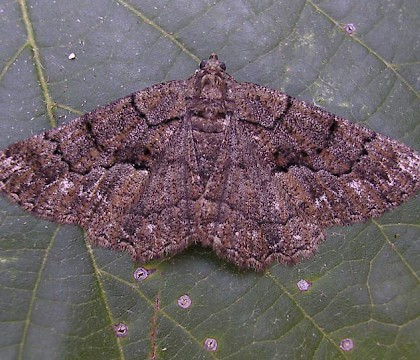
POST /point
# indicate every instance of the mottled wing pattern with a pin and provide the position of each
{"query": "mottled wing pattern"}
(292, 169)
(244, 214)
(252, 172)
(106, 170)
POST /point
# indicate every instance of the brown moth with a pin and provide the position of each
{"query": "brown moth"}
(251, 172)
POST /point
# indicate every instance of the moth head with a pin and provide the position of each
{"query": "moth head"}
(213, 65)
(211, 79)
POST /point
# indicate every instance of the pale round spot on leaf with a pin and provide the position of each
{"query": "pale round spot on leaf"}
(141, 273)
(350, 28)
(303, 285)
(210, 344)
(347, 344)
(120, 330)
(184, 301)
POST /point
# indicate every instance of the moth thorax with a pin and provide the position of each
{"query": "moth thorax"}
(212, 87)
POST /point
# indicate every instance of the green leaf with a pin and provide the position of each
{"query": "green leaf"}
(59, 298)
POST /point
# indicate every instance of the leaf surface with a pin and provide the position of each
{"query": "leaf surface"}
(59, 297)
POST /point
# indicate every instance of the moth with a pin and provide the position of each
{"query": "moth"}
(251, 172)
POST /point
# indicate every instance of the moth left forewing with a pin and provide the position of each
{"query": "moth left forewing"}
(162, 102)
(58, 172)
(90, 170)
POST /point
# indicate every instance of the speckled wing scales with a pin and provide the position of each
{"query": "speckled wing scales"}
(243, 215)
(251, 172)
(319, 170)
(161, 220)
(105, 172)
